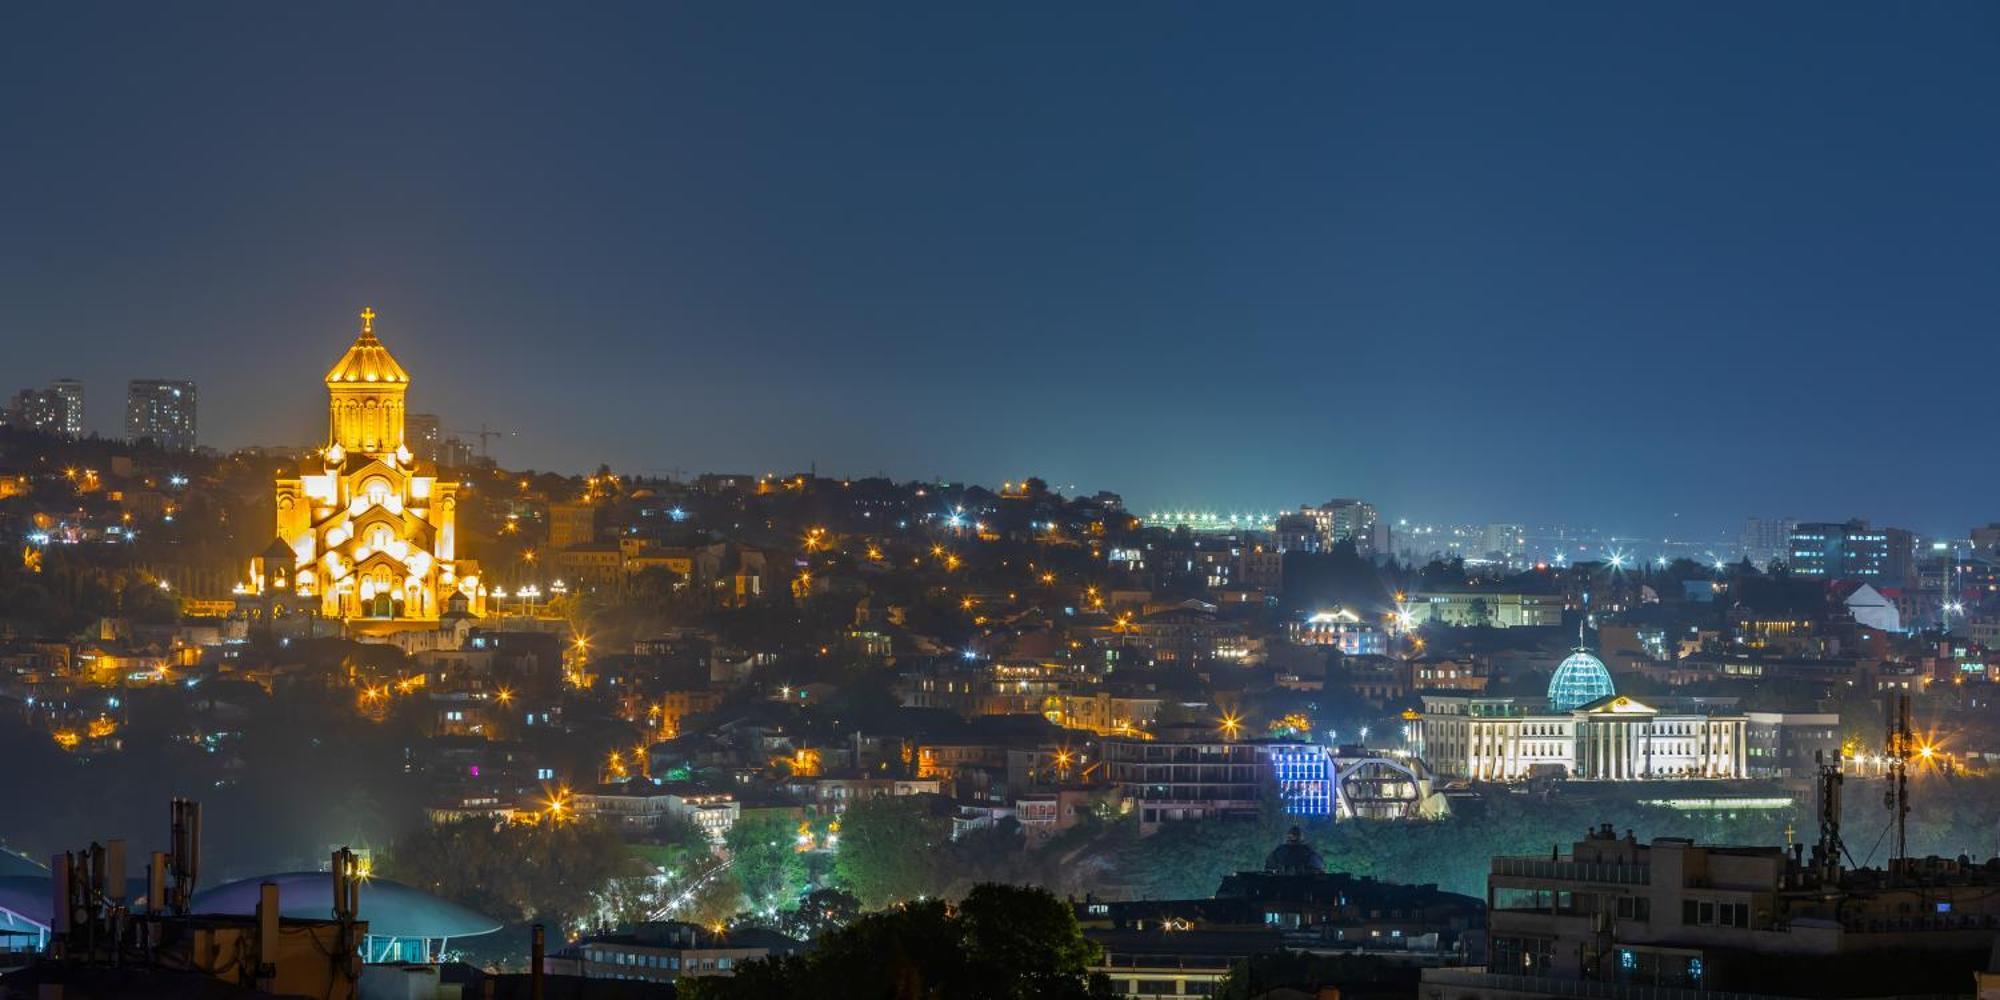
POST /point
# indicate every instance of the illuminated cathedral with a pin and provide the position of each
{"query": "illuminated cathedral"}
(371, 531)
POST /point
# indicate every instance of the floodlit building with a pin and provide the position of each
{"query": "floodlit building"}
(1484, 607)
(1584, 729)
(1349, 783)
(1187, 773)
(1341, 628)
(372, 529)
(161, 411)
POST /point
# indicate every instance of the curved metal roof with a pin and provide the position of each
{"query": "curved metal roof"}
(25, 902)
(391, 908)
(14, 863)
(28, 901)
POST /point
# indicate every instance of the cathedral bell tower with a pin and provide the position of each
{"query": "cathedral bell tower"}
(366, 386)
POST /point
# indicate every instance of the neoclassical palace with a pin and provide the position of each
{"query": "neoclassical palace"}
(370, 530)
(1609, 737)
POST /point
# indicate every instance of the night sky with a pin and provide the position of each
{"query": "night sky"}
(1531, 262)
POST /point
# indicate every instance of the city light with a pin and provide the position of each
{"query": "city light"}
(1263, 327)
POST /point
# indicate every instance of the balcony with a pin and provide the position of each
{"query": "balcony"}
(1573, 871)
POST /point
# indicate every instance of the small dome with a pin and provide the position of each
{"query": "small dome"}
(367, 360)
(1579, 680)
(1294, 857)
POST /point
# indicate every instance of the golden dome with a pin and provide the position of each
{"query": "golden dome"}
(367, 360)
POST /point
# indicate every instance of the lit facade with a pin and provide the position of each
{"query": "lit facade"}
(1186, 775)
(1317, 780)
(1853, 551)
(372, 529)
(1613, 739)
(1479, 607)
(1319, 529)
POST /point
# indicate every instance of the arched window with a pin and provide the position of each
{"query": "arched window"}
(376, 489)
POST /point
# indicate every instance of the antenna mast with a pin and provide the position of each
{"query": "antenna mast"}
(1897, 798)
(1827, 853)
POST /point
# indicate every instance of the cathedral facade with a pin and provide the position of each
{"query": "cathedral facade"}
(371, 530)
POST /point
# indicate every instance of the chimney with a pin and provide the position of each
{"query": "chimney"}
(267, 935)
(536, 948)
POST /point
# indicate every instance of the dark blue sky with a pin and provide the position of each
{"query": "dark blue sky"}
(1515, 261)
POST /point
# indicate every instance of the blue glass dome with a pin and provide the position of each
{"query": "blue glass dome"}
(1579, 680)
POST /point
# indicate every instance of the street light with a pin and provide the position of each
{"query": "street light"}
(1231, 725)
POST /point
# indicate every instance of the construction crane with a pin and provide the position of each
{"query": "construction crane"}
(485, 435)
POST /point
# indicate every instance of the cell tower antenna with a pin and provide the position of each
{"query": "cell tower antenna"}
(1828, 852)
(1897, 798)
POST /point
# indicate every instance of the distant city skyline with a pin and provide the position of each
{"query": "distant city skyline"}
(1725, 532)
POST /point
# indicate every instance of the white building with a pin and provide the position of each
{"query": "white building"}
(1615, 738)
(1609, 737)
(1873, 610)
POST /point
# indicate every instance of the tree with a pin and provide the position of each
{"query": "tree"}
(887, 847)
(1478, 612)
(514, 872)
(822, 910)
(996, 853)
(1024, 942)
(765, 862)
(1001, 943)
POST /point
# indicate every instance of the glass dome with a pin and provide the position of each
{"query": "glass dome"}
(1579, 680)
